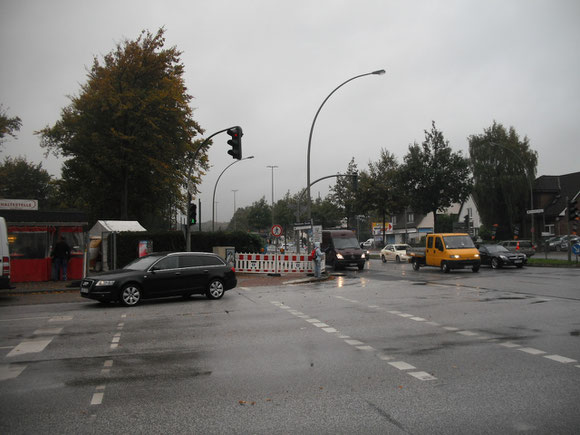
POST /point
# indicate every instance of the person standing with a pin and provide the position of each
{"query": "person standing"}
(317, 257)
(60, 256)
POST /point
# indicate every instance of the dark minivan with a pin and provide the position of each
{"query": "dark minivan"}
(342, 249)
(161, 275)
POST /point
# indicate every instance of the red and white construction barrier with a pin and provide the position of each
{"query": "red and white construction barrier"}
(266, 263)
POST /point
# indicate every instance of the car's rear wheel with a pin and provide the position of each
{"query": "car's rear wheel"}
(215, 289)
(495, 264)
(130, 295)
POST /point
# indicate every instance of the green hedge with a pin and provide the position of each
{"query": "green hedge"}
(128, 242)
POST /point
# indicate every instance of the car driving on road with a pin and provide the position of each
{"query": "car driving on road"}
(497, 256)
(161, 275)
(396, 252)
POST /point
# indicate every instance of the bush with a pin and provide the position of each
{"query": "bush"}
(174, 241)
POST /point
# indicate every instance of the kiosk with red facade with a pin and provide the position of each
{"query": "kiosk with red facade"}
(32, 236)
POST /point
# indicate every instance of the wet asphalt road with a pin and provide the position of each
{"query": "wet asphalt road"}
(385, 350)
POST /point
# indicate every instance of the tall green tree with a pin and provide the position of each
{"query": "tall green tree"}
(344, 194)
(380, 190)
(8, 125)
(434, 176)
(127, 136)
(260, 216)
(326, 213)
(504, 168)
(20, 179)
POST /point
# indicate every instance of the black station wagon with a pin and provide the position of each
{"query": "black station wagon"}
(161, 275)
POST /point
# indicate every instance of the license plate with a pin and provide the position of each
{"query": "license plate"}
(84, 290)
(518, 261)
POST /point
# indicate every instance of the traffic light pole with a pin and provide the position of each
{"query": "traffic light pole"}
(189, 196)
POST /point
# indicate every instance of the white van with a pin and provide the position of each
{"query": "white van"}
(4, 256)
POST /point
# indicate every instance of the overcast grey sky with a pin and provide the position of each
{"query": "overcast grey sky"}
(267, 65)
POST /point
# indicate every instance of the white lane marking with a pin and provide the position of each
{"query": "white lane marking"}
(48, 331)
(313, 320)
(394, 312)
(116, 339)
(450, 328)
(329, 330)
(366, 347)
(30, 346)
(123, 316)
(60, 319)
(468, 333)
(509, 344)
(97, 398)
(114, 346)
(285, 307)
(118, 334)
(105, 371)
(120, 325)
(402, 365)
(244, 288)
(560, 358)
(18, 319)
(321, 325)
(433, 323)
(303, 316)
(6, 347)
(374, 306)
(531, 350)
(10, 371)
(354, 342)
(418, 319)
(423, 376)
(406, 315)
(108, 363)
(344, 336)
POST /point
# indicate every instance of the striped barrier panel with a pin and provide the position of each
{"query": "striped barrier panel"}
(266, 263)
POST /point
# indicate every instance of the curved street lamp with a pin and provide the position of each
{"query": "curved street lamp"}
(309, 211)
(215, 187)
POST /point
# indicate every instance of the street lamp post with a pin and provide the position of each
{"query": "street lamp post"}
(308, 198)
(272, 167)
(234, 190)
(215, 187)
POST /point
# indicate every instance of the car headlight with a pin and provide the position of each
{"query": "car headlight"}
(363, 255)
(104, 283)
(455, 256)
(503, 257)
(476, 255)
(339, 256)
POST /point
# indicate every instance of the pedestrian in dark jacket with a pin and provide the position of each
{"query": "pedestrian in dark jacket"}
(60, 256)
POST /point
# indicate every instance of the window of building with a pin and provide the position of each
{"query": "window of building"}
(410, 217)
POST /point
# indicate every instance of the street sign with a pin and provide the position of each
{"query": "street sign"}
(276, 230)
(535, 211)
(302, 226)
(576, 249)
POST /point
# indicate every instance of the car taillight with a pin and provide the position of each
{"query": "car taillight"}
(518, 246)
(6, 266)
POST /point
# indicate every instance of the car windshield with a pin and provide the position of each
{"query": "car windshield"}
(345, 243)
(401, 247)
(142, 263)
(495, 248)
(458, 242)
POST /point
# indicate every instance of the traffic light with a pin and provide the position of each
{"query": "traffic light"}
(192, 214)
(573, 211)
(235, 142)
(355, 181)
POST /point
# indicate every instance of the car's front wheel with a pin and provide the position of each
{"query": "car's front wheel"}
(130, 295)
(215, 289)
(398, 259)
(384, 258)
(495, 263)
(445, 267)
(415, 265)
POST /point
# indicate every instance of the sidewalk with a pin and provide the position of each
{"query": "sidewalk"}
(244, 280)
